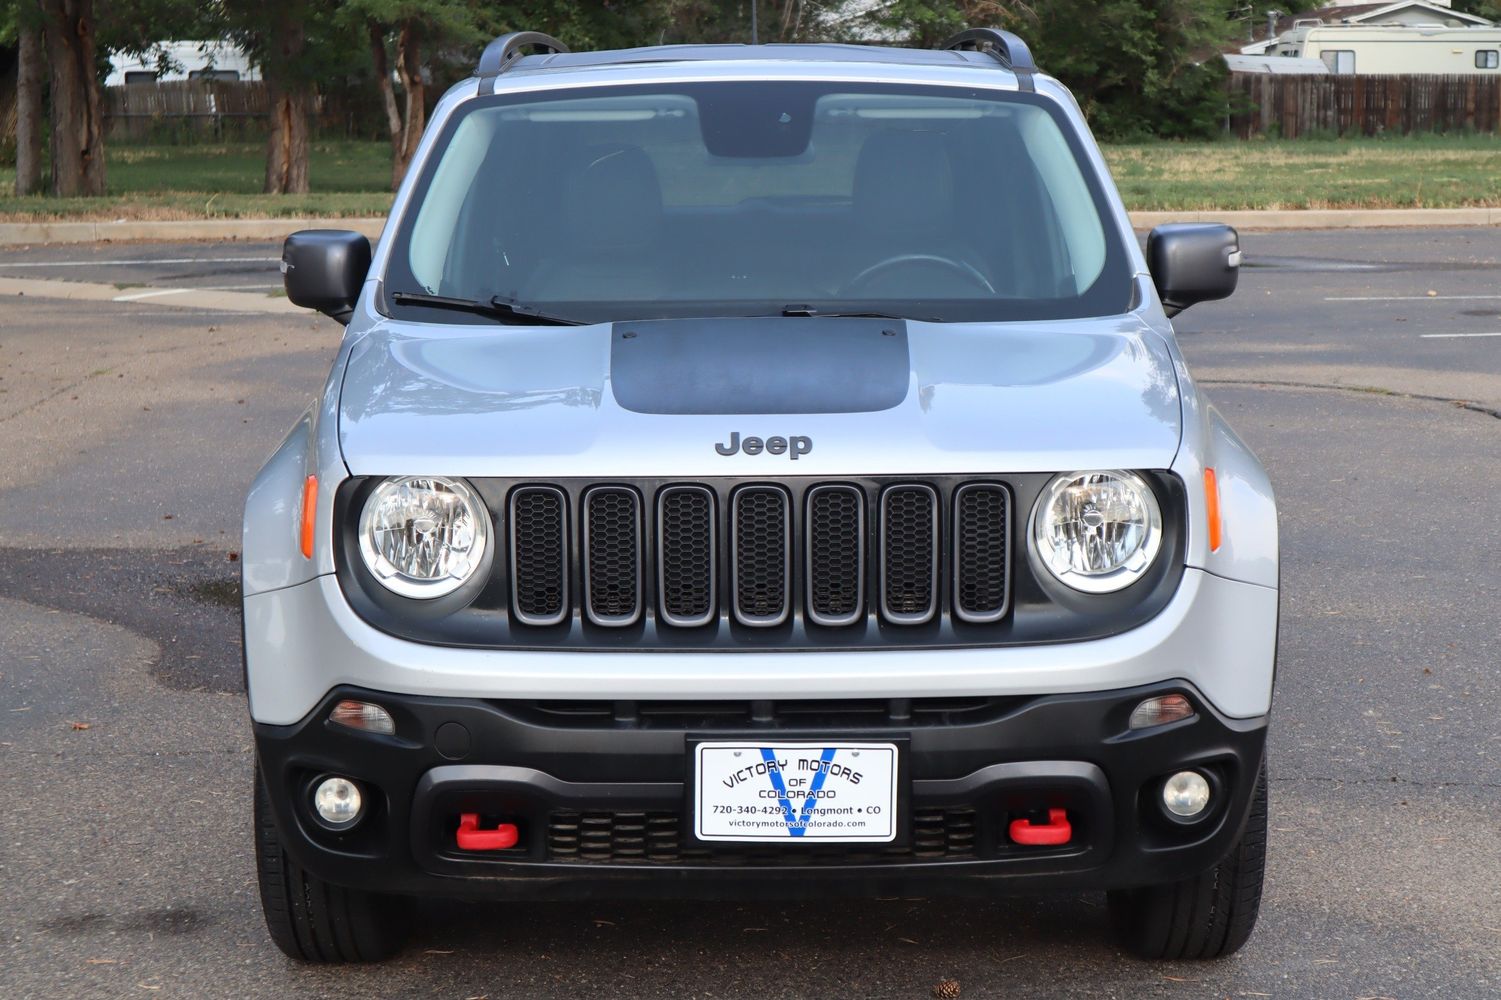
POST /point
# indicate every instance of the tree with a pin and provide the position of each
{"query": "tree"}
(77, 111)
(1136, 66)
(282, 36)
(411, 28)
(29, 64)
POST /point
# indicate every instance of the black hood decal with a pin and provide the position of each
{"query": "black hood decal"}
(760, 365)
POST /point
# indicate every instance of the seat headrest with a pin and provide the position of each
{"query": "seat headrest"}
(904, 183)
(614, 201)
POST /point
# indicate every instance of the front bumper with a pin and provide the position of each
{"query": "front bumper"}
(1217, 634)
(601, 803)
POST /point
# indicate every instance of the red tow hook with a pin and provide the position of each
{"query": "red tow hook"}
(1057, 830)
(472, 838)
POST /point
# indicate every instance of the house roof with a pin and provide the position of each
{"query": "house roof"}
(1357, 13)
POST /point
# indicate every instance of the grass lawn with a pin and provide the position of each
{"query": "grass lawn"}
(1413, 172)
(350, 178)
(220, 181)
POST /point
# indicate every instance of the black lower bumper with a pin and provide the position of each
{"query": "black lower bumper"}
(600, 796)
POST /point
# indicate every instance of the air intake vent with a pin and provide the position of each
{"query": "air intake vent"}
(762, 544)
(612, 556)
(982, 538)
(539, 554)
(836, 555)
(686, 555)
(909, 554)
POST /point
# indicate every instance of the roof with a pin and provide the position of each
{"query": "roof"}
(825, 53)
(1277, 65)
(1362, 12)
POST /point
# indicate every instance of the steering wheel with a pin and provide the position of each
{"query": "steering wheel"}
(966, 271)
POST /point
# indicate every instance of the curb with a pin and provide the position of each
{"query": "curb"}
(19, 233)
(126, 230)
(1330, 218)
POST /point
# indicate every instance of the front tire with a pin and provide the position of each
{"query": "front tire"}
(1208, 916)
(315, 921)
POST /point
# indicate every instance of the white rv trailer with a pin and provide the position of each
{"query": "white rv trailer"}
(169, 61)
(1367, 49)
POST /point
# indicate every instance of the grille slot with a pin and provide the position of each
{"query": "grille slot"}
(761, 544)
(539, 555)
(982, 551)
(612, 556)
(909, 554)
(657, 838)
(686, 556)
(836, 555)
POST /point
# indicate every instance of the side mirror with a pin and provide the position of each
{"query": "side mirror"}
(1192, 262)
(323, 269)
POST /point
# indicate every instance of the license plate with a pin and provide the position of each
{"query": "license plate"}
(796, 792)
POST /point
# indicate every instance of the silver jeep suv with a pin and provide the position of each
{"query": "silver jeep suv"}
(759, 470)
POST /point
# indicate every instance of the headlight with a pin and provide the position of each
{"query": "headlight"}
(423, 536)
(1097, 531)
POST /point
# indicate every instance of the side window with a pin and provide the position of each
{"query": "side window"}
(1487, 58)
(135, 76)
(1339, 61)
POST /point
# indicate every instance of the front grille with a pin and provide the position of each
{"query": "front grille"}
(651, 558)
(686, 555)
(836, 554)
(982, 538)
(612, 556)
(539, 554)
(762, 530)
(909, 553)
(658, 837)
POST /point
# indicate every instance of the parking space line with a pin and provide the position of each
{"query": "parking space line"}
(1406, 298)
(151, 295)
(125, 263)
(1455, 336)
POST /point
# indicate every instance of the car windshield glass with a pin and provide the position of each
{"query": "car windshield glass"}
(761, 198)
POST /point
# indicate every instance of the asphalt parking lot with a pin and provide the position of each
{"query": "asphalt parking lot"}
(1363, 367)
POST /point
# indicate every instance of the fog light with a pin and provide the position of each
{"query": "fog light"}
(1186, 794)
(1160, 711)
(363, 716)
(337, 801)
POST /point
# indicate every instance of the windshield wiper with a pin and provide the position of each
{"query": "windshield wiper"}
(802, 310)
(494, 307)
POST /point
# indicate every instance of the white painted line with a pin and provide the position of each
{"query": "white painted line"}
(5, 265)
(1450, 336)
(150, 295)
(1405, 298)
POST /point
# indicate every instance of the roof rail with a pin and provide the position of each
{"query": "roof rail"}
(1009, 50)
(505, 50)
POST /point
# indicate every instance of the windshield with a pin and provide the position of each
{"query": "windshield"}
(760, 198)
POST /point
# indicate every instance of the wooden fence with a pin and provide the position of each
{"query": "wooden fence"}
(1292, 106)
(136, 112)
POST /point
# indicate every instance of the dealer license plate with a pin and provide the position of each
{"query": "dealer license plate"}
(827, 792)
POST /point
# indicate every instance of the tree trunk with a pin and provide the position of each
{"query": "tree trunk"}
(29, 110)
(409, 68)
(387, 91)
(291, 99)
(77, 114)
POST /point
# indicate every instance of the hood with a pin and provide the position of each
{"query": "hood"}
(758, 397)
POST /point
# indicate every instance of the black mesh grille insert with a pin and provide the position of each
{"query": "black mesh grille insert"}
(612, 553)
(909, 537)
(685, 546)
(539, 554)
(762, 547)
(657, 838)
(980, 556)
(836, 542)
